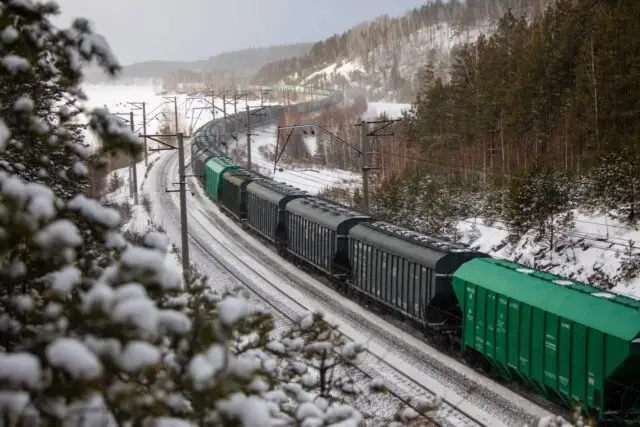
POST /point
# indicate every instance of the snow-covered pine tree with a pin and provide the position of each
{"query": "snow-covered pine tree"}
(541, 201)
(615, 183)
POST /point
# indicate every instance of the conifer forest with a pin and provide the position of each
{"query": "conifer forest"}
(535, 119)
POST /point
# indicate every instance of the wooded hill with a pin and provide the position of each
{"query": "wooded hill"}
(384, 55)
(538, 119)
(241, 64)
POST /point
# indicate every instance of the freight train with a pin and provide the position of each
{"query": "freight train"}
(565, 340)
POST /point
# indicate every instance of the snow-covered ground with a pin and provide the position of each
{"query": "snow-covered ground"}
(344, 69)
(140, 222)
(310, 179)
(392, 110)
(600, 244)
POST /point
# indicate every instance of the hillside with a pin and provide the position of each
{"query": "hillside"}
(241, 64)
(385, 57)
(530, 138)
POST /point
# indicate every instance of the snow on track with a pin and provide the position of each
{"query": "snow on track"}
(225, 275)
(393, 352)
(289, 302)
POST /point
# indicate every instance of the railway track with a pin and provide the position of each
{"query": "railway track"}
(257, 279)
(265, 280)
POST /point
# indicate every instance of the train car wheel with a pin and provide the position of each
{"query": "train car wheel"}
(445, 343)
(471, 357)
(486, 366)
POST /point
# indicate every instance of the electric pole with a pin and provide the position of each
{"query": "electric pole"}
(364, 149)
(175, 111)
(213, 104)
(130, 120)
(143, 107)
(183, 204)
(249, 134)
(224, 110)
(183, 191)
(365, 152)
(248, 137)
(144, 130)
(133, 165)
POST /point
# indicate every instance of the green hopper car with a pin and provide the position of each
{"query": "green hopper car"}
(569, 341)
(213, 171)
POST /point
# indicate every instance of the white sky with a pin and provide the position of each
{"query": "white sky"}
(140, 30)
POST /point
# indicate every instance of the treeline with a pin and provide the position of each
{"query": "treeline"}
(550, 99)
(364, 38)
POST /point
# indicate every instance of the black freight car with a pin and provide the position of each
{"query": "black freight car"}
(198, 147)
(318, 234)
(406, 272)
(234, 192)
(266, 204)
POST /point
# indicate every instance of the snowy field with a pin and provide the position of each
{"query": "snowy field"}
(314, 179)
(310, 179)
(193, 111)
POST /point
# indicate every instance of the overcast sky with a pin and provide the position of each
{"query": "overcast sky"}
(139, 30)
